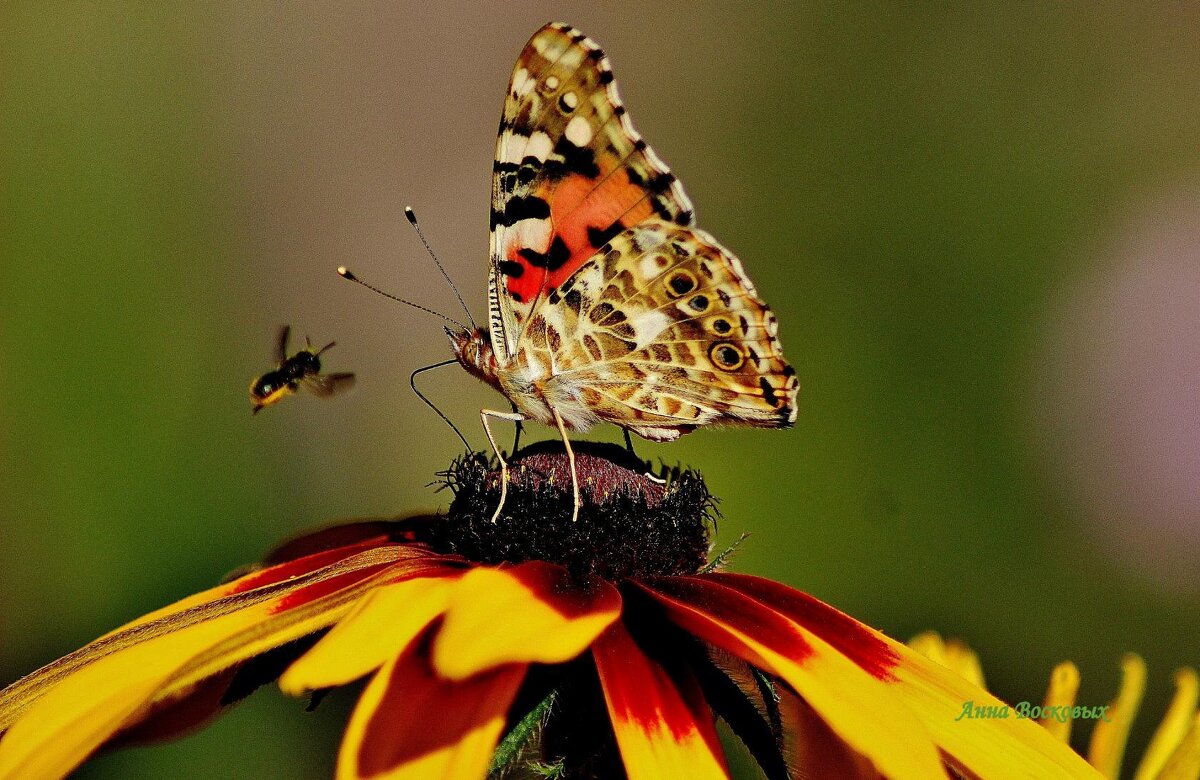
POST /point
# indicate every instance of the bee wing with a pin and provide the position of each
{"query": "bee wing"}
(325, 385)
(281, 342)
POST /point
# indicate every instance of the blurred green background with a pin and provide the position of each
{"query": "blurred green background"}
(980, 229)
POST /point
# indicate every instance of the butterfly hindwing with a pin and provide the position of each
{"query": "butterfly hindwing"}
(662, 332)
(570, 174)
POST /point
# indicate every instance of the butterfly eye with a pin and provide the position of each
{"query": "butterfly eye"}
(726, 356)
(681, 283)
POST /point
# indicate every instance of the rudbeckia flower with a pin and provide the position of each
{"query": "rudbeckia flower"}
(1174, 750)
(606, 647)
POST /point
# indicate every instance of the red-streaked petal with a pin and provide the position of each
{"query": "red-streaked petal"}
(936, 696)
(410, 723)
(192, 610)
(61, 713)
(861, 644)
(531, 612)
(663, 726)
(300, 566)
(378, 629)
(859, 708)
(810, 746)
(357, 533)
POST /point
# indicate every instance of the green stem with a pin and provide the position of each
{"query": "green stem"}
(509, 749)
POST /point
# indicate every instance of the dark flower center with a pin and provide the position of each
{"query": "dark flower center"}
(629, 525)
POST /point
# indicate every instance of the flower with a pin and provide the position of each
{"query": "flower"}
(1174, 750)
(600, 648)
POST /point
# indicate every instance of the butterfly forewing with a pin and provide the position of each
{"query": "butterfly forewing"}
(570, 174)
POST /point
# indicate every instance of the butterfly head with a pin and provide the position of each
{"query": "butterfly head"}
(473, 349)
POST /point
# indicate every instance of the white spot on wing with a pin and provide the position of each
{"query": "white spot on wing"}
(533, 233)
(648, 267)
(521, 83)
(539, 146)
(579, 131)
(512, 146)
(649, 326)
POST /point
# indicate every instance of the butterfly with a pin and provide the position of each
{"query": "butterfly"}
(302, 369)
(605, 302)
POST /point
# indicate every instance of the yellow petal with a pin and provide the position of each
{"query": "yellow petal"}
(1108, 740)
(1184, 763)
(268, 585)
(1004, 747)
(1174, 727)
(859, 708)
(811, 747)
(409, 724)
(1064, 686)
(531, 612)
(662, 724)
(955, 655)
(122, 676)
(378, 629)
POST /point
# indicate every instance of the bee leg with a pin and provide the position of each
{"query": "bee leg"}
(649, 475)
(562, 429)
(516, 417)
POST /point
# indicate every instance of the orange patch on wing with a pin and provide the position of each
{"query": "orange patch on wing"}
(578, 203)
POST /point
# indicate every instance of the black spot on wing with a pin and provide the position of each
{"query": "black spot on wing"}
(519, 208)
(662, 182)
(598, 238)
(575, 159)
(552, 260)
(768, 391)
(574, 300)
(511, 269)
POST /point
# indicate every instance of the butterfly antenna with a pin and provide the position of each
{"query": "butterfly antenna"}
(345, 273)
(412, 382)
(412, 220)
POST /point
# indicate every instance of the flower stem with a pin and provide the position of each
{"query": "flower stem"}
(510, 748)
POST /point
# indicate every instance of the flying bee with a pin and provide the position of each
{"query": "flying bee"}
(302, 369)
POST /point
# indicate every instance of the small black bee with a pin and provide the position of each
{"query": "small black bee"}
(302, 369)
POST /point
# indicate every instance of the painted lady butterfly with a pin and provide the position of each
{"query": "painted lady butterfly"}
(605, 303)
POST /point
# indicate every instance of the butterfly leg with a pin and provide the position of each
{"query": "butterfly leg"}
(517, 433)
(629, 446)
(562, 429)
(516, 417)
